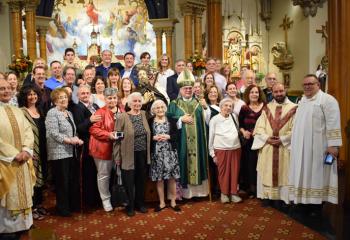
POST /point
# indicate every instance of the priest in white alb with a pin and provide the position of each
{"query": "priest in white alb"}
(272, 135)
(316, 133)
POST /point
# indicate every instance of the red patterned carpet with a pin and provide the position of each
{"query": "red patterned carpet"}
(198, 220)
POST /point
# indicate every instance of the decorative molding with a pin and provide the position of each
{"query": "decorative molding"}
(192, 7)
(42, 22)
(30, 5)
(309, 6)
(15, 5)
(265, 13)
(163, 22)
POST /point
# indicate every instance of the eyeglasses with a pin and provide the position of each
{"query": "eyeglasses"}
(62, 97)
(309, 84)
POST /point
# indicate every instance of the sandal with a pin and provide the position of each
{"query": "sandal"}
(37, 215)
(42, 211)
(176, 208)
(158, 208)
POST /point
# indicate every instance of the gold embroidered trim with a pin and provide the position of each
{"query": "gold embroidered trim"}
(22, 198)
(333, 134)
(313, 192)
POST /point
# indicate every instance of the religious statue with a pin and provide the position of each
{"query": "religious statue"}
(148, 88)
(282, 57)
(234, 52)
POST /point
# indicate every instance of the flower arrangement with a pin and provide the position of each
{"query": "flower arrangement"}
(198, 62)
(21, 64)
(259, 77)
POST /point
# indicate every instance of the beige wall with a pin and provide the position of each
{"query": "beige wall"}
(317, 43)
(5, 42)
(306, 46)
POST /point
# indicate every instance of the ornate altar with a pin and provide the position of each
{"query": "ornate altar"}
(243, 50)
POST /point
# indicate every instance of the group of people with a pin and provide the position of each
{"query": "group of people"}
(202, 136)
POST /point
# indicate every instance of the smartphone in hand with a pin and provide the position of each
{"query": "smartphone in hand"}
(329, 159)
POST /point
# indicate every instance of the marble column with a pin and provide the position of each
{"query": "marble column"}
(159, 45)
(214, 23)
(169, 42)
(30, 9)
(16, 17)
(187, 12)
(42, 42)
(198, 12)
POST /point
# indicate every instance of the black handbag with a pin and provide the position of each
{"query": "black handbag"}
(242, 139)
(119, 196)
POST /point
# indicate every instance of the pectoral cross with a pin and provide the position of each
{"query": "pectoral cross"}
(324, 32)
(286, 24)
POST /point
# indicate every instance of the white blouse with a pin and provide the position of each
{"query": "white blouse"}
(162, 77)
(223, 134)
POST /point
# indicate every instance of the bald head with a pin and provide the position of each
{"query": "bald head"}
(278, 85)
(248, 78)
(279, 92)
(5, 91)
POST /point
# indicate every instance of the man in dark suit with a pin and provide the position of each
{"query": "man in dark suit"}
(130, 69)
(102, 70)
(39, 78)
(270, 80)
(172, 88)
(84, 117)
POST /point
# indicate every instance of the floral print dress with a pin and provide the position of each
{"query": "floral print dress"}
(165, 164)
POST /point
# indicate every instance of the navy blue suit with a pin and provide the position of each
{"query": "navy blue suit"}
(102, 71)
(133, 75)
(172, 89)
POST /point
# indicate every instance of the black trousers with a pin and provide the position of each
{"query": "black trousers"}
(37, 196)
(66, 173)
(91, 195)
(248, 173)
(134, 180)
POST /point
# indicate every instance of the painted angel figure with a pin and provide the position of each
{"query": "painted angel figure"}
(92, 13)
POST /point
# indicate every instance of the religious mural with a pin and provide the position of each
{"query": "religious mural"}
(90, 26)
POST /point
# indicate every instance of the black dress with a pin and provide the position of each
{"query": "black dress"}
(249, 158)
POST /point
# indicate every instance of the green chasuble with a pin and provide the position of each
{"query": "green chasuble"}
(192, 146)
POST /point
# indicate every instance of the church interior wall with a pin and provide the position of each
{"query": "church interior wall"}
(317, 43)
(306, 46)
(298, 40)
(5, 39)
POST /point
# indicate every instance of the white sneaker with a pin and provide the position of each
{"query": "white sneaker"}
(107, 206)
(224, 198)
(236, 199)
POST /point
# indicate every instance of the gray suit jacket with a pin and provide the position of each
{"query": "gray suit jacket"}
(58, 128)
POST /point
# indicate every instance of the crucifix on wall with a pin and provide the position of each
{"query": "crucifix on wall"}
(286, 24)
(324, 32)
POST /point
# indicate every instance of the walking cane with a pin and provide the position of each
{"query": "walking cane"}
(209, 178)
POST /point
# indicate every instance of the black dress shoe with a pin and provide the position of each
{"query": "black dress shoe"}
(158, 208)
(130, 213)
(142, 209)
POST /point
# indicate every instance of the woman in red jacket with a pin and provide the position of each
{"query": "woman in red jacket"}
(101, 143)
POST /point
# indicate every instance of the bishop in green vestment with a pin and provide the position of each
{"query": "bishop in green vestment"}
(191, 115)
